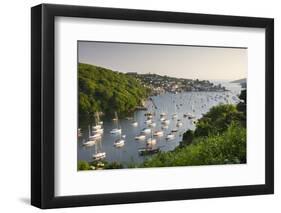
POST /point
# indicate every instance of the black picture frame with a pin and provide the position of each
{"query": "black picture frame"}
(43, 102)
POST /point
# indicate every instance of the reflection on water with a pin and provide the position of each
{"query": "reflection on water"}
(195, 103)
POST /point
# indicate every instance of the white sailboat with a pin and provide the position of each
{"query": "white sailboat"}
(158, 133)
(79, 132)
(179, 124)
(116, 130)
(146, 131)
(119, 143)
(150, 146)
(135, 123)
(192, 108)
(153, 124)
(166, 121)
(151, 141)
(175, 115)
(162, 119)
(170, 136)
(97, 129)
(95, 136)
(91, 141)
(140, 137)
(98, 154)
(148, 121)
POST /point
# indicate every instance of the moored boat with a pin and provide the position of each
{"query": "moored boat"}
(174, 130)
(153, 124)
(163, 114)
(116, 131)
(100, 131)
(148, 121)
(99, 156)
(179, 124)
(89, 143)
(140, 137)
(95, 136)
(146, 131)
(96, 127)
(148, 150)
(174, 116)
(119, 143)
(134, 123)
(170, 136)
(158, 133)
(166, 122)
(151, 142)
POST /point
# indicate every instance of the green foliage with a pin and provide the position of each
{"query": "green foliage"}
(83, 165)
(242, 106)
(227, 148)
(113, 165)
(103, 90)
(217, 120)
(187, 138)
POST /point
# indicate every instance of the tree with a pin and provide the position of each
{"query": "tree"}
(187, 138)
(102, 89)
(217, 120)
(242, 106)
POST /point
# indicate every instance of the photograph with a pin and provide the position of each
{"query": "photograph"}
(144, 105)
(155, 105)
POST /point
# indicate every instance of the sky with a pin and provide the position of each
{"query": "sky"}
(192, 62)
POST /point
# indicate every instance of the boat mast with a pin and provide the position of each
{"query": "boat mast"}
(96, 147)
(97, 118)
(116, 118)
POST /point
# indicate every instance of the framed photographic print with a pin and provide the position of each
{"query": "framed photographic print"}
(140, 106)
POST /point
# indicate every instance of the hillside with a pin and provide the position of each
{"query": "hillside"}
(243, 80)
(107, 91)
(160, 84)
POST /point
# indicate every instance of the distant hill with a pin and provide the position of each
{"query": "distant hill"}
(243, 80)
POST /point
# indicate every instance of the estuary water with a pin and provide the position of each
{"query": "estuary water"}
(194, 103)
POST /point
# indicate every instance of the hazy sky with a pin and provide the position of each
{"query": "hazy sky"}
(207, 63)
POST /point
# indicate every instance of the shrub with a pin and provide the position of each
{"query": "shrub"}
(83, 165)
(226, 148)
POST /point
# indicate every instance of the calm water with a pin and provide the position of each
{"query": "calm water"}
(196, 103)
